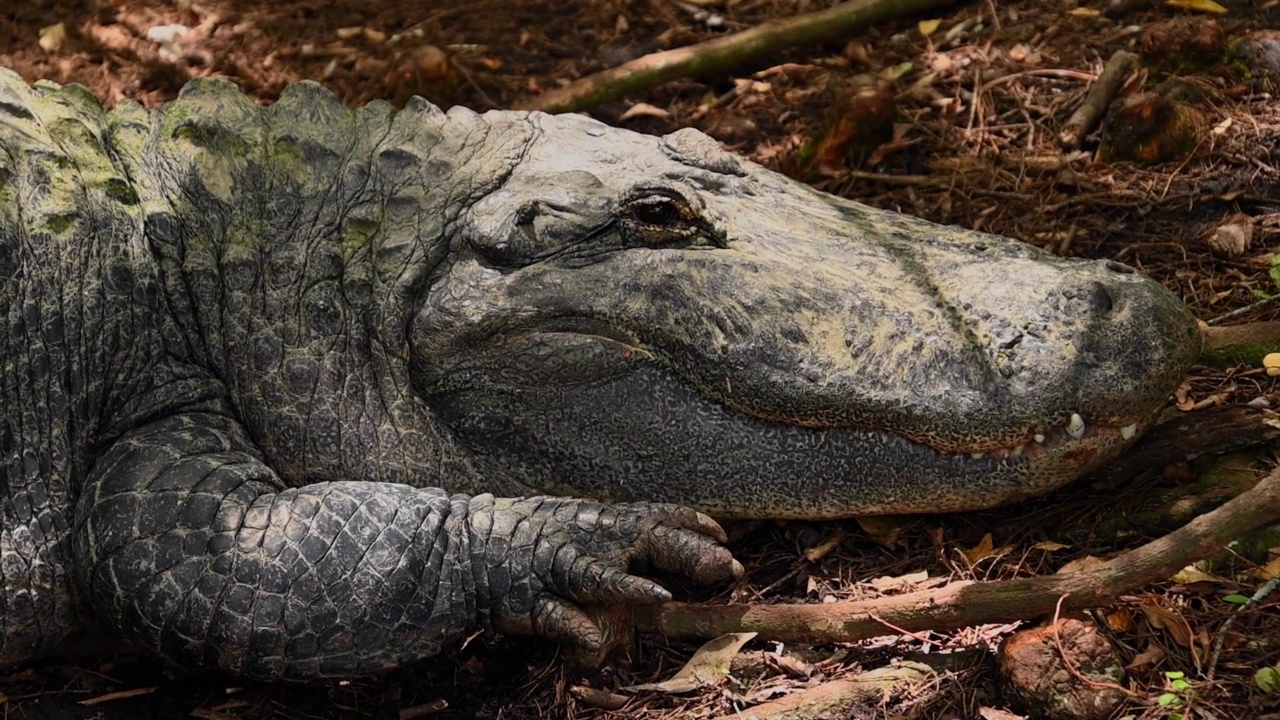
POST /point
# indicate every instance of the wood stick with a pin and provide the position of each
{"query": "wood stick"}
(725, 52)
(974, 603)
(1235, 344)
(1096, 100)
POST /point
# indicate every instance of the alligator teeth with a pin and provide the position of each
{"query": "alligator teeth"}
(1128, 431)
(977, 456)
(1016, 452)
(1075, 428)
(1039, 439)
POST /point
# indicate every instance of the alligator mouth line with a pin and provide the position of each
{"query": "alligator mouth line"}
(1072, 437)
(1075, 433)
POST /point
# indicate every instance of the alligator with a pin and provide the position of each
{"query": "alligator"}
(299, 391)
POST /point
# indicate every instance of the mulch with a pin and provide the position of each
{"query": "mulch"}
(979, 101)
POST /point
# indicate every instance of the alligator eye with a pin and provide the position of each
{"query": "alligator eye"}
(656, 210)
(663, 218)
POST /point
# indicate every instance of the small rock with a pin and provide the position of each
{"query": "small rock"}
(52, 37)
(1260, 50)
(1037, 676)
(168, 37)
(1183, 44)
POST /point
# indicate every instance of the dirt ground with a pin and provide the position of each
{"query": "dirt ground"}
(979, 103)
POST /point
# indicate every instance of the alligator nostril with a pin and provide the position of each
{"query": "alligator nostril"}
(1099, 296)
(1116, 267)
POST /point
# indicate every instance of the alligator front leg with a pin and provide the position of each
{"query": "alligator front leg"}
(189, 545)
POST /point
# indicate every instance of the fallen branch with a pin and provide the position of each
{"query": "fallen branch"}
(1236, 344)
(725, 52)
(974, 603)
(1096, 100)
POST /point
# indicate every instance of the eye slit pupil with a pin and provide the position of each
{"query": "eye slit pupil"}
(656, 211)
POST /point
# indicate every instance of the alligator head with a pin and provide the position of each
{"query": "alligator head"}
(633, 317)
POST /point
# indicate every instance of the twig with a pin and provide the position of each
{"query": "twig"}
(119, 695)
(1257, 597)
(1240, 312)
(1096, 100)
(725, 52)
(1071, 666)
(903, 631)
(971, 603)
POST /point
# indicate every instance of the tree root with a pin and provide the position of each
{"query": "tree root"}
(973, 603)
(725, 52)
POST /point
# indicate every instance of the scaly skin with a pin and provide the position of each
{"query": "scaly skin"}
(260, 361)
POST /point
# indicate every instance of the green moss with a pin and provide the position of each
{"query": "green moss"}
(119, 190)
(1246, 354)
(60, 223)
(357, 232)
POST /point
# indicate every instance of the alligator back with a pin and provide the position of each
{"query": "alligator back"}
(69, 243)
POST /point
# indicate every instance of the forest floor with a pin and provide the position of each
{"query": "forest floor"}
(980, 98)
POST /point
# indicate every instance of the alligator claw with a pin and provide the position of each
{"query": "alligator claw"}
(545, 559)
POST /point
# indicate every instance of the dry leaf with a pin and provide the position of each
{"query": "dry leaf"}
(885, 529)
(1050, 546)
(987, 713)
(1088, 562)
(824, 548)
(929, 27)
(1208, 6)
(643, 110)
(1152, 655)
(983, 550)
(1171, 621)
(885, 582)
(1120, 620)
(708, 666)
(1271, 570)
(1232, 237)
(1192, 574)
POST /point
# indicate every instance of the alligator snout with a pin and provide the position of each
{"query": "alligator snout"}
(1100, 296)
(765, 350)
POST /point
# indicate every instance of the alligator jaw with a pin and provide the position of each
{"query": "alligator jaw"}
(783, 354)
